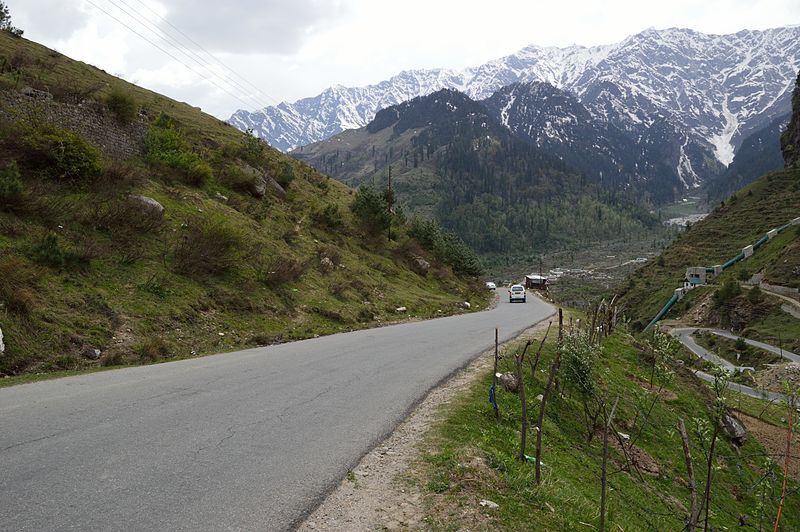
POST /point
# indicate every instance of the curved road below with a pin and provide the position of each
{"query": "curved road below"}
(250, 440)
(684, 335)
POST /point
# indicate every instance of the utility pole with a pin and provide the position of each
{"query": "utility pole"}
(391, 197)
(391, 202)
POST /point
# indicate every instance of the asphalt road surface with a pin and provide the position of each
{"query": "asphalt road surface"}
(251, 440)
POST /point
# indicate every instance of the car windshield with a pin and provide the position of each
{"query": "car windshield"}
(516, 289)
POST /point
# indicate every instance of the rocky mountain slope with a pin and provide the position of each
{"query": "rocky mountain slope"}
(709, 91)
(556, 122)
(759, 153)
(790, 140)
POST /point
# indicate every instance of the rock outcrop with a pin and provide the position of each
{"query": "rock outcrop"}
(734, 429)
(790, 140)
(151, 206)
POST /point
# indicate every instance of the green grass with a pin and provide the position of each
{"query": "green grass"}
(470, 457)
(727, 349)
(82, 268)
(776, 327)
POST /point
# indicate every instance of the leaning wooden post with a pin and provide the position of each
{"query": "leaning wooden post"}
(709, 470)
(521, 390)
(687, 454)
(545, 394)
(605, 460)
(493, 391)
(786, 462)
(534, 362)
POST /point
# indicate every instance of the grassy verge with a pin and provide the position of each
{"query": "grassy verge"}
(471, 456)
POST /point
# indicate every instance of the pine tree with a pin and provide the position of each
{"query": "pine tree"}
(5, 21)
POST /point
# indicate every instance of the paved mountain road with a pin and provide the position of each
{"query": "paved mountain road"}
(250, 440)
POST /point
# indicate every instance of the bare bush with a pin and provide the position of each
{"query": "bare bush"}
(152, 349)
(19, 280)
(208, 246)
(281, 271)
(124, 216)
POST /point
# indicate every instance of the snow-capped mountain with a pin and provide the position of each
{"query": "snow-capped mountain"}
(710, 90)
(556, 122)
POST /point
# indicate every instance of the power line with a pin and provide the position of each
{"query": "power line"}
(167, 53)
(209, 54)
(146, 24)
(183, 49)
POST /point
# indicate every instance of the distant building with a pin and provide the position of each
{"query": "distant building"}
(695, 276)
(537, 282)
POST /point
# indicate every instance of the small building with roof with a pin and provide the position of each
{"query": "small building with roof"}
(695, 276)
(537, 282)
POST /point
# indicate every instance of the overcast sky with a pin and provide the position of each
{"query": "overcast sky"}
(290, 49)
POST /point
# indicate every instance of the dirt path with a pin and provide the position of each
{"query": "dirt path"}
(774, 441)
(373, 497)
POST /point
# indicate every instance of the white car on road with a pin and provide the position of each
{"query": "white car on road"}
(490, 285)
(517, 293)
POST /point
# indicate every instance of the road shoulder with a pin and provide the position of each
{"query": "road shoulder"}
(374, 496)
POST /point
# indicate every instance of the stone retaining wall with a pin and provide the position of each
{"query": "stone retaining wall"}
(91, 119)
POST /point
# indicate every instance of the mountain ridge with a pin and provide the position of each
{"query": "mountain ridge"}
(730, 86)
(451, 159)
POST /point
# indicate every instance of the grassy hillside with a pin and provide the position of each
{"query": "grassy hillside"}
(739, 221)
(471, 456)
(252, 247)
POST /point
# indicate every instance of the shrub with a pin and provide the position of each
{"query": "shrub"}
(252, 149)
(755, 295)
(10, 183)
(330, 216)
(165, 145)
(124, 216)
(49, 251)
(332, 253)
(122, 104)
(281, 271)
(238, 179)
(740, 344)
(123, 174)
(725, 293)
(447, 247)
(19, 280)
(152, 349)
(371, 210)
(62, 153)
(208, 246)
(285, 174)
(743, 275)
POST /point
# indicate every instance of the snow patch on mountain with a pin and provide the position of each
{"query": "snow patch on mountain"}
(723, 148)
